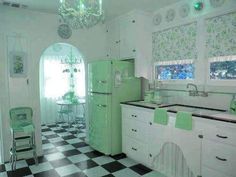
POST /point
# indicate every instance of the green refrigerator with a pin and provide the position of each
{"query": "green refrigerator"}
(109, 83)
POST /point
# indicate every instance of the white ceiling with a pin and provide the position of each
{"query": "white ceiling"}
(112, 8)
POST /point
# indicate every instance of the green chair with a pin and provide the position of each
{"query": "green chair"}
(66, 108)
(80, 117)
(65, 111)
(23, 134)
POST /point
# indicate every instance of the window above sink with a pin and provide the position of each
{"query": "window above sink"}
(174, 70)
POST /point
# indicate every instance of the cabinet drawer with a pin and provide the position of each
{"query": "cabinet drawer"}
(154, 150)
(219, 156)
(135, 129)
(136, 150)
(207, 172)
(221, 134)
(137, 114)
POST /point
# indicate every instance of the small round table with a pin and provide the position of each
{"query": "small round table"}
(66, 108)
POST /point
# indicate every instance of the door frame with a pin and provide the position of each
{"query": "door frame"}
(1, 138)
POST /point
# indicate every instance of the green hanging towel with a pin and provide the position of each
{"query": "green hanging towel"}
(161, 116)
(184, 120)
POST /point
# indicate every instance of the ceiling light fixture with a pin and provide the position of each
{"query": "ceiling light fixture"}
(198, 6)
(81, 13)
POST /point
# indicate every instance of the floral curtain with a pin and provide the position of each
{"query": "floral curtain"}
(221, 35)
(177, 43)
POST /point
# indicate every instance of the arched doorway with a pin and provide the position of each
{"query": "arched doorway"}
(62, 71)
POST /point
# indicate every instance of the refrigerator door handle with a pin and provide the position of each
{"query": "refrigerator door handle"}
(102, 82)
(102, 105)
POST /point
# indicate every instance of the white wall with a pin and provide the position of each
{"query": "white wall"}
(37, 31)
(214, 100)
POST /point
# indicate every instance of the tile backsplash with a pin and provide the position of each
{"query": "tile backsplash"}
(214, 100)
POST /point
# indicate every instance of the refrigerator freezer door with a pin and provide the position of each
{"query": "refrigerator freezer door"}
(100, 122)
(99, 77)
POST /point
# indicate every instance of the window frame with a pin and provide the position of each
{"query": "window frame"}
(173, 62)
(219, 82)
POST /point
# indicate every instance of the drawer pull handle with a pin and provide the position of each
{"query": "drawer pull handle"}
(102, 105)
(133, 115)
(134, 149)
(102, 82)
(223, 137)
(134, 130)
(221, 159)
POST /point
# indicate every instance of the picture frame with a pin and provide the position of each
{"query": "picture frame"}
(18, 64)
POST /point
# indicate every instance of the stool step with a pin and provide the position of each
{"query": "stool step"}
(23, 149)
(22, 137)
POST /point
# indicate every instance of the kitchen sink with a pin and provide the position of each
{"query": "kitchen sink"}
(178, 107)
(194, 110)
(181, 108)
(144, 103)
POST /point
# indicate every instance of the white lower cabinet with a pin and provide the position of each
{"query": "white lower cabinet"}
(136, 130)
(208, 150)
(135, 133)
(136, 150)
(208, 172)
(221, 133)
(220, 157)
(174, 152)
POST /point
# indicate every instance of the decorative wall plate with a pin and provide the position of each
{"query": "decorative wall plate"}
(170, 15)
(217, 3)
(184, 10)
(157, 19)
(64, 31)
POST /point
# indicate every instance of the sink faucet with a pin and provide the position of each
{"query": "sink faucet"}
(193, 92)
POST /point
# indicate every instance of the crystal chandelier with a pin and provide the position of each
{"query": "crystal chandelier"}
(81, 13)
(70, 59)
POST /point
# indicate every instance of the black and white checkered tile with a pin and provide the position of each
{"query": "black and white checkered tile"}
(67, 154)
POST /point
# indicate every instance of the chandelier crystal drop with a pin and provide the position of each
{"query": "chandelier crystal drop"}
(81, 13)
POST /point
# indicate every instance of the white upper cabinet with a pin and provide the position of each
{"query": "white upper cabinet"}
(113, 39)
(129, 37)
(128, 26)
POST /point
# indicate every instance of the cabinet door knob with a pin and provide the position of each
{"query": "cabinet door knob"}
(221, 159)
(134, 149)
(134, 50)
(150, 123)
(200, 136)
(150, 155)
(133, 21)
(223, 137)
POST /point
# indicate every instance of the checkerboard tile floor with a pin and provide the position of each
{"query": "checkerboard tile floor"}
(67, 154)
